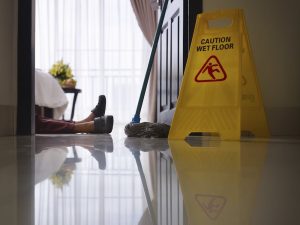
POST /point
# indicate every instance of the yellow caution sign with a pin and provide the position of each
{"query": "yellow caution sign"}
(219, 92)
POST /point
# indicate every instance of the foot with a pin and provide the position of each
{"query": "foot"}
(99, 110)
(103, 124)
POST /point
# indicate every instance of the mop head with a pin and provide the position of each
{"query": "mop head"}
(147, 130)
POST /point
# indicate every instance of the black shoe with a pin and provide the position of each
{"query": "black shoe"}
(99, 110)
(104, 124)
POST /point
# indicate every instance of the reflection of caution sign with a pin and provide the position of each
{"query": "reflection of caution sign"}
(212, 205)
(220, 93)
(212, 70)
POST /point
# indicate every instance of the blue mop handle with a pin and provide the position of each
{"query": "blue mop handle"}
(136, 118)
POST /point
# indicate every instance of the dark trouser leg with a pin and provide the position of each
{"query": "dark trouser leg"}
(51, 126)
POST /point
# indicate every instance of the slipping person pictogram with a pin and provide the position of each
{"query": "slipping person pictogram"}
(212, 70)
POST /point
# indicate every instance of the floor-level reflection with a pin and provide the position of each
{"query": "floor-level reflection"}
(219, 180)
(108, 180)
(90, 180)
(17, 180)
(136, 146)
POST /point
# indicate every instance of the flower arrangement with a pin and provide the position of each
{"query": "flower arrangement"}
(63, 73)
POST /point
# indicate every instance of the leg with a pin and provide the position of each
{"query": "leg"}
(86, 127)
(50, 126)
(90, 118)
(102, 124)
(98, 111)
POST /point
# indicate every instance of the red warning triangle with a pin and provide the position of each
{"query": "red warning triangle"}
(212, 70)
(212, 205)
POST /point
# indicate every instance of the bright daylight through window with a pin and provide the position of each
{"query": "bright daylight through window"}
(101, 41)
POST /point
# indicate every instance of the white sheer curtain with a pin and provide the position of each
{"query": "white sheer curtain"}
(104, 46)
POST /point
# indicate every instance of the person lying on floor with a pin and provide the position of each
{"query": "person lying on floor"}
(96, 122)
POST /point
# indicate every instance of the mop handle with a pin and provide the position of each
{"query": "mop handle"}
(136, 118)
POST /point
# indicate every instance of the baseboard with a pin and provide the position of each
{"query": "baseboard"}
(7, 120)
(284, 121)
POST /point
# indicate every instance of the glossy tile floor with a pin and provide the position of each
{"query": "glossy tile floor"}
(111, 179)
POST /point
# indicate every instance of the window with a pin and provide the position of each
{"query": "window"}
(104, 46)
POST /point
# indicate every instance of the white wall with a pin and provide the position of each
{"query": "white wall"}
(8, 65)
(274, 33)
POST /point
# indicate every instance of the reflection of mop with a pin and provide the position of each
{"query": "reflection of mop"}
(146, 129)
(136, 155)
(136, 145)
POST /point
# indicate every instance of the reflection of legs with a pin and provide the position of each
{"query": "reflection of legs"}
(94, 143)
(97, 147)
(98, 155)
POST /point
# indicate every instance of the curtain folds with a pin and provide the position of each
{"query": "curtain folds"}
(103, 44)
(146, 17)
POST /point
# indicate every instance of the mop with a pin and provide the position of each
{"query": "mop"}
(147, 129)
